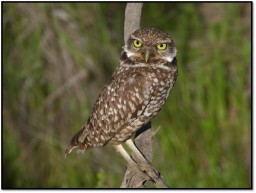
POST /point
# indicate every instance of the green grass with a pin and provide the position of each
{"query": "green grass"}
(56, 59)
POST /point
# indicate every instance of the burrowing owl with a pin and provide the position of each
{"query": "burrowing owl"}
(136, 92)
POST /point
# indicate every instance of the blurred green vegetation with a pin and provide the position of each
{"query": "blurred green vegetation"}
(58, 56)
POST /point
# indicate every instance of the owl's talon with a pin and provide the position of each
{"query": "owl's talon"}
(149, 170)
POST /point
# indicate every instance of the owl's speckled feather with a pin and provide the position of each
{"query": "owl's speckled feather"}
(136, 92)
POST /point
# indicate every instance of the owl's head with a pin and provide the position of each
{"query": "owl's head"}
(150, 45)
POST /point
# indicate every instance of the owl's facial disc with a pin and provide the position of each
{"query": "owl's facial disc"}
(150, 46)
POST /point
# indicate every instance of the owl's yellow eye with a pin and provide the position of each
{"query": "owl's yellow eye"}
(161, 46)
(137, 43)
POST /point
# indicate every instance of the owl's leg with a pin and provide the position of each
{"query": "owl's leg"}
(136, 151)
(119, 148)
(150, 172)
(143, 163)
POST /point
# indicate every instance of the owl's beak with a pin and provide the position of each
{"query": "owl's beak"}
(147, 54)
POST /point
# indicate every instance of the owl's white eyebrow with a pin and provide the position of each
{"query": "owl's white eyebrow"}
(164, 41)
(135, 38)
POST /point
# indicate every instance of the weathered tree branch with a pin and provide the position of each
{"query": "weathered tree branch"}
(134, 177)
(132, 19)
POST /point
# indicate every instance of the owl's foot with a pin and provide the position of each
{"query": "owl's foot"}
(142, 169)
(149, 170)
(141, 162)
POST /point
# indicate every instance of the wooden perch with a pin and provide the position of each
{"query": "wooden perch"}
(132, 19)
(134, 177)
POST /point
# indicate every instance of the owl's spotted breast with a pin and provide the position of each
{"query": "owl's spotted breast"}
(152, 101)
(133, 97)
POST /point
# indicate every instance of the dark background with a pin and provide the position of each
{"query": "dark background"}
(57, 58)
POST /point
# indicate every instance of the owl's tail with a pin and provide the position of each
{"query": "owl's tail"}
(76, 143)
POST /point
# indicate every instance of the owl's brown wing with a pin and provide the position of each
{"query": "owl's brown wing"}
(121, 101)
